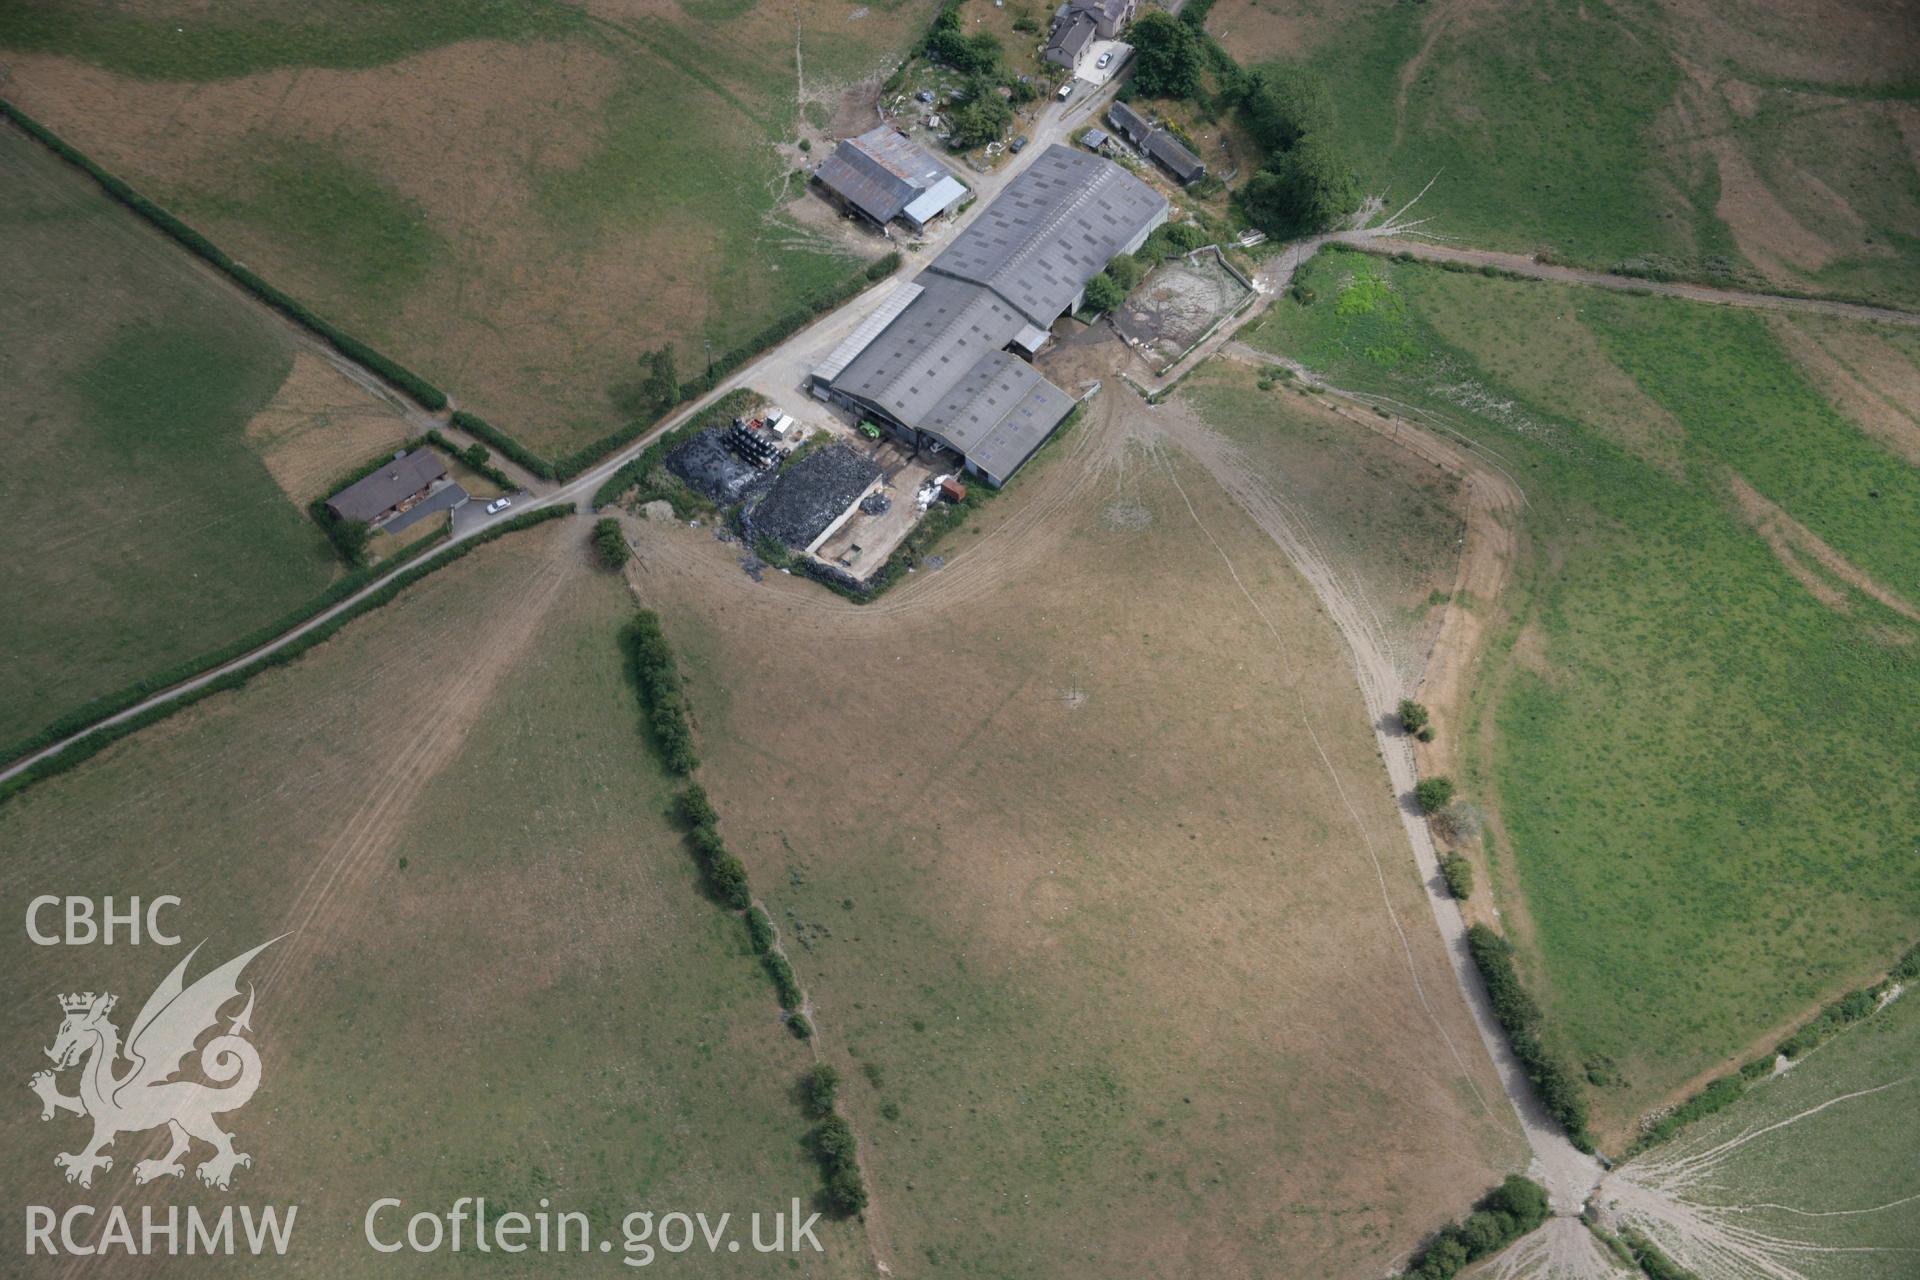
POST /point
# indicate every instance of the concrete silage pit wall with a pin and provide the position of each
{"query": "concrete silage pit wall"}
(1179, 304)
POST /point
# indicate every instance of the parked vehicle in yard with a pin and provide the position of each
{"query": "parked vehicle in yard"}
(498, 505)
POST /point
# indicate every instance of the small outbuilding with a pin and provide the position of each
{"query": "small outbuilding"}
(397, 486)
(1171, 153)
(883, 174)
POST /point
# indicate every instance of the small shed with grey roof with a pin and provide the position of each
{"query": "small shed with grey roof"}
(394, 488)
(883, 175)
(1171, 153)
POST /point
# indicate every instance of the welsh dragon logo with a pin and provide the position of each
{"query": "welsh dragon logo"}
(145, 1095)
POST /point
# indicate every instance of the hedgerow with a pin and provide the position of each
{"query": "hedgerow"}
(1520, 1016)
(394, 584)
(480, 429)
(759, 931)
(1655, 1264)
(114, 703)
(390, 370)
(1506, 1213)
(657, 676)
(1830, 1021)
(837, 1151)
(471, 460)
(789, 324)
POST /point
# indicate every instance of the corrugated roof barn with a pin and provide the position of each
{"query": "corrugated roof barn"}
(940, 367)
(884, 174)
(1172, 154)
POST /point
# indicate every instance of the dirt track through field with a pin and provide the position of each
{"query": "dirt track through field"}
(1520, 264)
(1568, 1174)
(437, 715)
(450, 707)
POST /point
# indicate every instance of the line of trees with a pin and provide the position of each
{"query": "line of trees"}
(657, 678)
(1506, 1213)
(1520, 1016)
(843, 1188)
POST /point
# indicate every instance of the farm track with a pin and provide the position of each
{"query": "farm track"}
(1384, 241)
(1494, 503)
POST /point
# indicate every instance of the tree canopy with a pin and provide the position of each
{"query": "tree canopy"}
(1309, 188)
(1285, 104)
(1167, 58)
(1104, 293)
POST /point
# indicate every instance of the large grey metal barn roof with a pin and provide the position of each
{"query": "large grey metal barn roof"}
(916, 360)
(881, 172)
(938, 362)
(998, 413)
(1052, 230)
(405, 476)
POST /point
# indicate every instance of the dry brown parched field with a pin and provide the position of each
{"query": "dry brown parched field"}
(1094, 880)
(501, 979)
(516, 200)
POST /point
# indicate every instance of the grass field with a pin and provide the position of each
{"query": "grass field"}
(1732, 142)
(1695, 724)
(1085, 917)
(519, 200)
(503, 979)
(1384, 518)
(1817, 1164)
(160, 434)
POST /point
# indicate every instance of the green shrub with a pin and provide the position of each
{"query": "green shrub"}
(800, 1027)
(693, 808)
(727, 877)
(1413, 716)
(610, 544)
(657, 677)
(475, 456)
(846, 1191)
(1307, 189)
(760, 932)
(479, 428)
(1458, 873)
(785, 985)
(1104, 293)
(1509, 1211)
(820, 1086)
(1433, 794)
(1520, 1017)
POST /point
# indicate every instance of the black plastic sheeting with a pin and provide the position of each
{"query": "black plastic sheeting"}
(707, 465)
(810, 495)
